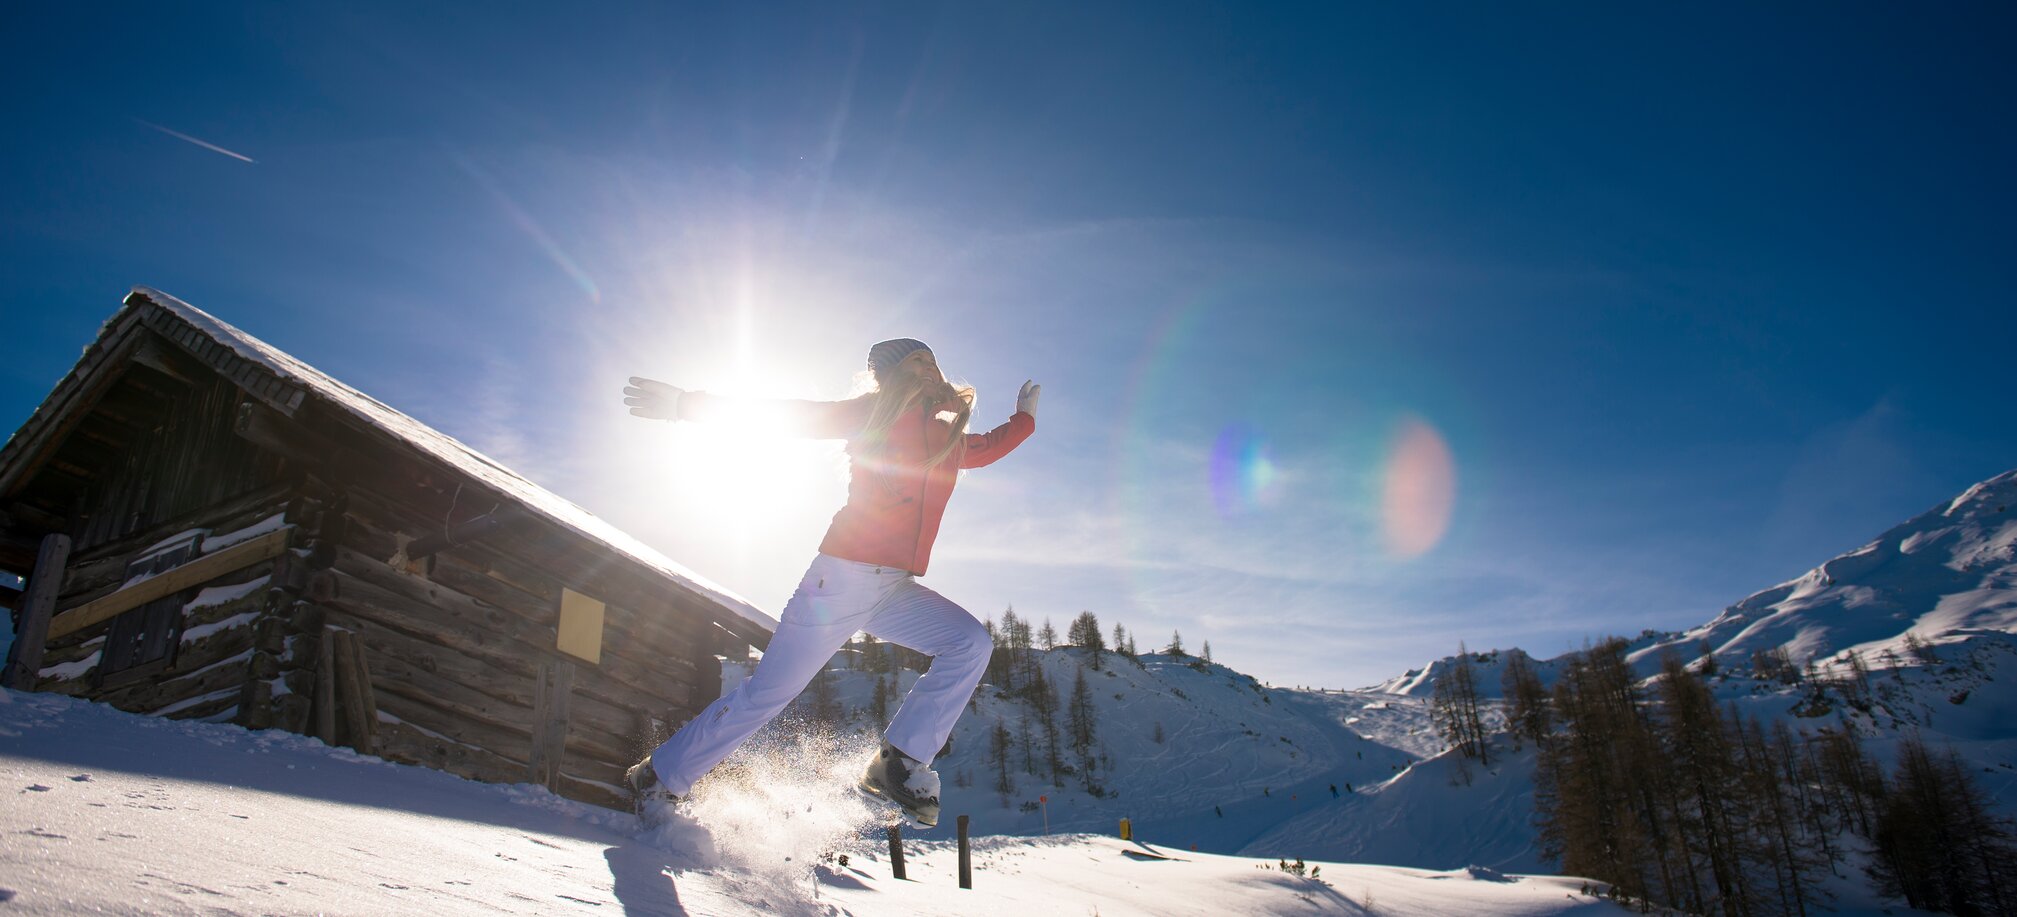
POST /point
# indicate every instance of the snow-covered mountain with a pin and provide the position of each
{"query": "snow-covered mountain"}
(1942, 578)
(1946, 576)
(1929, 608)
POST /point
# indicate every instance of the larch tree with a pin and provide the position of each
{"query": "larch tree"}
(1085, 634)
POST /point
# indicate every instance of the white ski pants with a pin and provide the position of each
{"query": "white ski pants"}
(836, 599)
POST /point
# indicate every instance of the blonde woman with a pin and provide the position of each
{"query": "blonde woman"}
(907, 442)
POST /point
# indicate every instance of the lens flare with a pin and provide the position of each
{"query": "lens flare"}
(1420, 490)
(1242, 471)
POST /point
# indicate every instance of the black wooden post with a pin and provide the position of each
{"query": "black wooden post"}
(965, 857)
(24, 662)
(325, 688)
(896, 851)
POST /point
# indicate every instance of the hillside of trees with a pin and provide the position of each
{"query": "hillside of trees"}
(1675, 800)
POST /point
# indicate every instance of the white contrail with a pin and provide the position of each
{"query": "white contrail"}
(202, 143)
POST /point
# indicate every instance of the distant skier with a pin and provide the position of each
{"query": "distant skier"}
(1334, 791)
(907, 442)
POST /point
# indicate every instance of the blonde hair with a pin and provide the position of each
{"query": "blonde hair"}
(900, 392)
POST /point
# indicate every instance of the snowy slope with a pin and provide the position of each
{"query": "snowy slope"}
(1259, 755)
(114, 813)
(1445, 809)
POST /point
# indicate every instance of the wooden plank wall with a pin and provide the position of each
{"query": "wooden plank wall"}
(191, 459)
(214, 670)
(456, 646)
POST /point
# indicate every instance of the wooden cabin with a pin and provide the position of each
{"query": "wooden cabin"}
(210, 528)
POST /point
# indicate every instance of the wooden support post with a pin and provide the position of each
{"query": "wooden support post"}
(965, 857)
(354, 722)
(896, 851)
(255, 702)
(24, 662)
(367, 698)
(549, 721)
(325, 689)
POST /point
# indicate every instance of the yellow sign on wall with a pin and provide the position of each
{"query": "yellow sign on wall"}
(580, 626)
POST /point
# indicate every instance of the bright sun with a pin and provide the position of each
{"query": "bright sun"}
(726, 491)
(747, 480)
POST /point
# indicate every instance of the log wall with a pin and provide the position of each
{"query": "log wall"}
(221, 649)
(455, 646)
(450, 662)
(187, 458)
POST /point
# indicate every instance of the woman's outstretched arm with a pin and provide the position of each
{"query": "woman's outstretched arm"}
(813, 419)
(984, 448)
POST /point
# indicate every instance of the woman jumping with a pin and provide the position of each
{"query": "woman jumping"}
(907, 442)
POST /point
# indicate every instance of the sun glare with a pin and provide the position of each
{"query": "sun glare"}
(1420, 491)
(744, 476)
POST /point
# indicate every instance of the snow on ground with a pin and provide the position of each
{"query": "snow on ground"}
(115, 813)
(1447, 810)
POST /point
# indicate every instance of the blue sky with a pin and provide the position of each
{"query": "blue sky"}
(1690, 300)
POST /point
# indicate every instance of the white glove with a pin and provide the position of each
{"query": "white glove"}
(1026, 400)
(652, 399)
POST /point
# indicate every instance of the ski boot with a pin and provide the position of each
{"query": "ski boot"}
(653, 801)
(905, 781)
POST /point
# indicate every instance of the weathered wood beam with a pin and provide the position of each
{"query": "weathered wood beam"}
(463, 533)
(254, 378)
(16, 514)
(213, 677)
(356, 722)
(555, 686)
(29, 448)
(17, 553)
(131, 403)
(366, 697)
(155, 353)
(325, 689)
(24, 662)
(511, 742)
(644, 660)
(195, 572)
(227, 514)
(492, 689)
(270, 430)
(406, 743)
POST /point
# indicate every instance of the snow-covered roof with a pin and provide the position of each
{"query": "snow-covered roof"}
(507, 483)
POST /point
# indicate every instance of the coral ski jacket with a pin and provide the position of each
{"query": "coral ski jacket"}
(894, 502)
